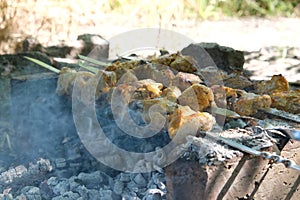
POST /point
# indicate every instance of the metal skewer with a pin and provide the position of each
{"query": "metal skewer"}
(266, 155)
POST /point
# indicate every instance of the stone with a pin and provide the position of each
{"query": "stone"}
(237, 81)
(225, 58)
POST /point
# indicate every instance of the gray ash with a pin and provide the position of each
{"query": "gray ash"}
(122, 139)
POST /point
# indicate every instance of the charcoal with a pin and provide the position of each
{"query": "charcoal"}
(106, 194)
(118, 187)
(124, 177)
(60, 163)
(32, 193)
(140, 180)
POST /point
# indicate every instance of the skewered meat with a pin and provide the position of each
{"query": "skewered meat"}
(67, 77)
(184, 80)
(185, 121)
(198, 97)
(178, 62)
(288, 101)
(249, 103)
(277, 84)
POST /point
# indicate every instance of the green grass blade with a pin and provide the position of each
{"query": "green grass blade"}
(42, 64)
(92, 69)
(91, 60)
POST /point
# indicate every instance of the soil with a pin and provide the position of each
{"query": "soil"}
(277, 39)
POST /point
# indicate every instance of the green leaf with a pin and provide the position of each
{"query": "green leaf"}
(42, 64)
(91, 60)
(92, 69)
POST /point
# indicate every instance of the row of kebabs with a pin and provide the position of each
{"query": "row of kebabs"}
(180, 91)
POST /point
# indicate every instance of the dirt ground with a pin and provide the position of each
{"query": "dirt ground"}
(248, 34)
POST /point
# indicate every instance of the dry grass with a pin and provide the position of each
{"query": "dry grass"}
(55, 20)
(51, 20)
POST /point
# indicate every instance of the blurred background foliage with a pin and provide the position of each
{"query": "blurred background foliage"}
(61, 18)
(213, 9)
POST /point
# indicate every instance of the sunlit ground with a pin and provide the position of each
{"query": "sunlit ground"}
(54, 20)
